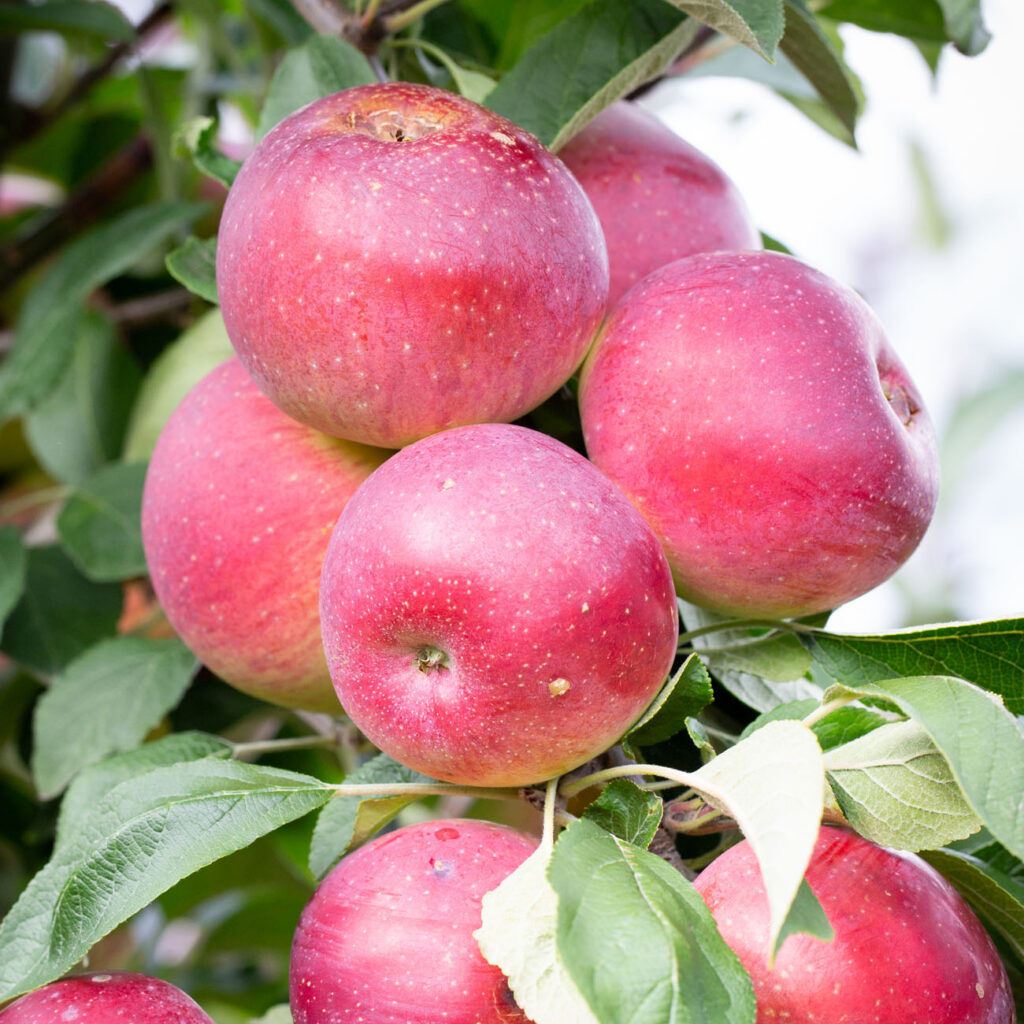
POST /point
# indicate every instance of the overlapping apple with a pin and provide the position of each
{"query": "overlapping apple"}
(403, 269)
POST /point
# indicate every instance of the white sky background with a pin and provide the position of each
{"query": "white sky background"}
(955, 314)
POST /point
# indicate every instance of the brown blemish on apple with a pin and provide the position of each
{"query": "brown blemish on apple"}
(388, 125)
(559, 686)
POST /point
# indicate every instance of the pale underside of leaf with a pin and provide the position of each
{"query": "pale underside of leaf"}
(897, 789)
(519, 935)
(772, 783)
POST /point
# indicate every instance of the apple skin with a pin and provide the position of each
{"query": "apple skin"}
(752, 409)
(907, 948)
(494, 610)
(381, 290)
(658, 198)
(388, 936)
(102, 997)
(237, 510)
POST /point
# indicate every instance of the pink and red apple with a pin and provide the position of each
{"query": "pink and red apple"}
(104, 997)
(658, 198)
(388, 936)
(907, 948)
(237, 511)
(394, 260)
(494, 610)
(753, 410)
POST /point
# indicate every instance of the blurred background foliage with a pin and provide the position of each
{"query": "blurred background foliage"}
(108, 114)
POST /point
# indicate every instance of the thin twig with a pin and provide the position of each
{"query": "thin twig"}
(33, 122)
(79, 210)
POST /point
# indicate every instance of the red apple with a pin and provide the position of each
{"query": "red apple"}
(395, 259)
(103, 998)
(658, 198)
(494, 610)
(237, 511)
(753, 410)
(907, 948)
(388, 935)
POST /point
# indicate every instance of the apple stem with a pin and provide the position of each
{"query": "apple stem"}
(622, 771)
(403, 19)
(550, 804)
(414, 789)
(731, 624)
(256, 747)
(826, 709)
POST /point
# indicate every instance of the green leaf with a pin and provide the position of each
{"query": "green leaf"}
(806, 916)
(846, 724)
(197, 138)
(989, 654)
(178, 368)
(519, 933)
(761, 668)
(275, 1015)
(896, 789)
(515, 25)
(925, 20)
(69, 17)
(982, 742)
(100, 524)
(194, 265)
(685, 695)
(701, 739)
(104, 702)
(757, 24)
(60, 613)
(80, 425)
(813, 54)
(348, 821)
(282, 17)
(586, 62)
(839, 726)
(94, 781)
(44, 334)
(474, 85)
(997, 899)
(144, 836)
(627, 811)
(319, 67)
(772, 784)
(637, 939)
(13, 569)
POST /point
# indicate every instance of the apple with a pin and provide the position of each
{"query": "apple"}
(753, 410)
(237, 510)
(395, 259)
(494, 610)
(658, 198)
(102, 997)
(388, 935)
(907, 948)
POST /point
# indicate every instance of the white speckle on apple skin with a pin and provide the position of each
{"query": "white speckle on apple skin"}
(502, 574)
(771, 461)
(497, 297)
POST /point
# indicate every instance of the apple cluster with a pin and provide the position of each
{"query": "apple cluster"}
(345, 516)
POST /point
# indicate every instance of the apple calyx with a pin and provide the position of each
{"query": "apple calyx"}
(431, 659)
(392, 125)
(900, 402)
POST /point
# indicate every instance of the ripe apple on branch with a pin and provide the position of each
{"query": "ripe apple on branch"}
(437, 619)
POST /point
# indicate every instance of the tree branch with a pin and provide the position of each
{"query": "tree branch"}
(30, 123)
(80, 209)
